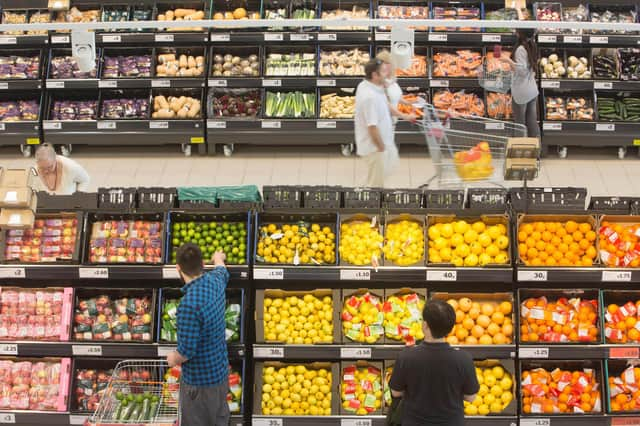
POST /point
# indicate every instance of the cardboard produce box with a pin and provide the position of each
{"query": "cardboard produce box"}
(622, 241)
(389, 329)
(275, 293)
(624, 387)
(523, 148)
(520, 168)
(349, 385)
(17, 198)
(624, 304)
(346, 316)
(333, 368)
(17, 178)
(375, 221)
(17, 218)
(395, 218)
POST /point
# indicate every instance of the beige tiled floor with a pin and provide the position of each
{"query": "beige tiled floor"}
(599, 170)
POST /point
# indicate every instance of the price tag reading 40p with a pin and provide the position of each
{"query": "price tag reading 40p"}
(442, 275)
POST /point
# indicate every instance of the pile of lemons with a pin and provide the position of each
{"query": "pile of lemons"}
(360, 243)
(296, 244)
(298, 320)
(468, 244)
(404, 244)
(296, 390)
(495, 394)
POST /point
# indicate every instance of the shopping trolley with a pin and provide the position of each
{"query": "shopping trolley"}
(495, 75)
(140, 392)
(467, 149)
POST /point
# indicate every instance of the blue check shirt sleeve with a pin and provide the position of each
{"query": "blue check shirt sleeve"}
(188, 331)
(222, 275)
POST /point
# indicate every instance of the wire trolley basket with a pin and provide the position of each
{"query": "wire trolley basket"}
(467, 149)
(495, 75)
(140, 392)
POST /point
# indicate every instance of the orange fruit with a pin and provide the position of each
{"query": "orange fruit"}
(485, 340)
(522, 236)
(584, 228)
(590, 236)
(467, 323)
(477, 331)
(571, 226)
(567, 239)
(470, 340)
(540, 226)
(547, 236)
(550, 261)
(461, 334)
(483, 321)
(507, 330)
(528, 228)
(577, 236)
(497, 317)
(505, 307)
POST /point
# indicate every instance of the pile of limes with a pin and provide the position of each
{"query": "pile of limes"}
(211, 237)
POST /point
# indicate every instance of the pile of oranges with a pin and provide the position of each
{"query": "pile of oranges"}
(560, 391)
(620, 244)
(557, 244)
(563, 320)
(481, 323)
(624, 392)
(622, 323)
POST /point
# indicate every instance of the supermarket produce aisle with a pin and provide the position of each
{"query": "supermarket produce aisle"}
(598, 170)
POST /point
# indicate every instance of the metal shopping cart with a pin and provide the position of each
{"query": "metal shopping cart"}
(142, 393)
(466, 149)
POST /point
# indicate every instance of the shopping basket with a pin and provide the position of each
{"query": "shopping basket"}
(140, 392)
(495, 75)
(467, 149)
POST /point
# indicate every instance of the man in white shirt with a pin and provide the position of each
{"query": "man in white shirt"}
(374, 126)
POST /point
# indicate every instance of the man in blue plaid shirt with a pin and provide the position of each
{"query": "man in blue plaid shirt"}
(202, 348)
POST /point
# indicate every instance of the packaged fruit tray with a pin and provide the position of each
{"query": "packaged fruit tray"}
(127, 238)
(481, 318)
(228, 232)
(234, 315)
(89, 382)
(402, 309)
(290, 239)
(114, 315)
(468, 241)
(497, 380)
(357, 379)
(622, 386)
(619, 241)
(404, 240)
(362, 316)
(621, 319)
(317, 311)
(559, 317)
(55, 238)
(325, 378)
(559, 388)
(35, 313)
(557, 240)
(361, 240)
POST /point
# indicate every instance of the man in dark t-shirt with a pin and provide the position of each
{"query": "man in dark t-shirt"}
(432, 378)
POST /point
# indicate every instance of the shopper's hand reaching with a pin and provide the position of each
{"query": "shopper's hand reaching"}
(219, 257)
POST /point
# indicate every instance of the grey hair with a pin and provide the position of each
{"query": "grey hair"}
(45, 153)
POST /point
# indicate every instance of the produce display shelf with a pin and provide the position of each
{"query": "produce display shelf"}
(591, 40)
(580, 84)
(137, 38)
(285, 82)
(99, 273)
(365, 421)
(452, 38)
(30, 418)
(217, 37)
(547, 351)
(98, 349)
(355, 352)
(147, 83)
(541, 275)
(20, 133)
(24, 40)
(383, 274)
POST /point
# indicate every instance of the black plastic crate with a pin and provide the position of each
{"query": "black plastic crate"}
(619, 205)
(77, 201)
(548, 198)
(196, 205)
(403, 198)
(120, 199)
(362, 198)
(322, 197)
(444, 199)
(635, 207)
(237, 205)
(282, 197)
(494, 199)
(157, 199)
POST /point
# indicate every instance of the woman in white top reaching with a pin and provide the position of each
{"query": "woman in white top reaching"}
(60, 175)
(524, 90)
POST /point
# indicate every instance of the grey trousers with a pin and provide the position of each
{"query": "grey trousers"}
(527, 114)
(204, 406)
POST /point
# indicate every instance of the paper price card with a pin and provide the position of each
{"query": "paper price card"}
(272, 352)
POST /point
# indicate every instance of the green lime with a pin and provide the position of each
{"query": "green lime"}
(229, 238)
(212, 224)
(176, 227)
(183, 233)
(205, 227)
(119, 395)
(191, 232)
(191, 225)
(208, 239)
(225, 226)
(176, 242)
(235, 250)
(202, 242)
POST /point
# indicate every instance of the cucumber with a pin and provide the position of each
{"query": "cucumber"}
(125, 414)
(117, 411)
(144, 412)
(136, 412)
(153, 411)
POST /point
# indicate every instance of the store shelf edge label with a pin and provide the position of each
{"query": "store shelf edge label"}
(75, 419)
(271, 124)
(327, 37)
(438, 37)
(55, 84)
(442, 275)
(550, 84)
(325, 83)
(158, 124)
(572, 39)
(111, 39)
(274, 37)
(8, 40)
(552, 126)
(532, 275)
(620, 276)
(624, 353)
(164, 38)
(355, 274)
(266, 422)
(7, 418)
(625, 421)
(598, 40)
(9, 349)
(267, 82)
(383, 37)
(60, 39)
(605, 127)
(268, 274)
(97, 273)
(160, 83)
(300, 37)
(218, 83)
(170, 273)
(108, 84)
(216, 124)
(220, 37)
(602, 85)
(268, 352)
(439, 83)
(86, 350)
(355, 353)
(355, 422)
(12, 273)
(494, 126)
(163, 351)
(106, 125)
(326, 125)
(536, 352)
(52, 125)
(491, 38)
(2, 127)
(4, 86)
(547, 39)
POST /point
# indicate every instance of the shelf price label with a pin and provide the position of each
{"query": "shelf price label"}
(160, 83)
(355, 274)
(494, 126)
(355, 422)
(328, 37)
(355, 353)
(220, 37)
(547, 39)
(300, 37)
(438, 37)
(572, 39)
(218, 83)
(60, 39)
(4, 86)
(491, 38)
(2, 127)
(75, 419)
(552, 126)
(326, 125)
(268, 352)
(216, 124)
(9, 349)
(111, 39)
(108, 84)
(266, 422)
(170, 273)
(267, 82)
(533, 352)
(12, 273)
(52, 125)
(605, 127)
(7, 418)
(8, 40)
(106, 125)
(326, 83)
(158, 124)
(442, 275)
(164, 38)
(550, 84)
(98, 273)
(602, 85)
(271, 124)
(625, 421)
(624, 353)
(532, 275)
(86, 350)
(598, 40)
(163, 351)
(268, 274)
(383, 36)
(618, 276)
(439, 83)
(535, 422)
(55, 85)
(273, 37)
